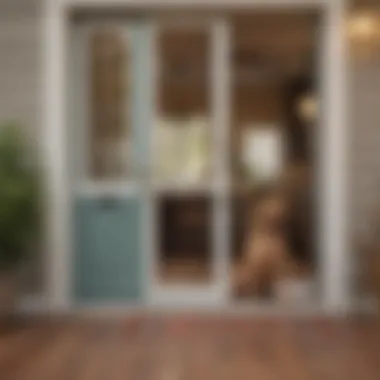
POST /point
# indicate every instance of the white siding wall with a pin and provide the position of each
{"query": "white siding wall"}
(20, 100)
(20, 80)
(365, 147)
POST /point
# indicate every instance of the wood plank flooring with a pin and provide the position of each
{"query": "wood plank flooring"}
(190, 348)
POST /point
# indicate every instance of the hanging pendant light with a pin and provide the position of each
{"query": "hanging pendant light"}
(363, 31)
(363, 26)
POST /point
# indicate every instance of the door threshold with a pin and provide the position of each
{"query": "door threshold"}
(122, 310)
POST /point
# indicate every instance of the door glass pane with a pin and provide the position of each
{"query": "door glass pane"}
(109, 126)
(272, 135)
(185, 239)
(270, 53)
(181, 151)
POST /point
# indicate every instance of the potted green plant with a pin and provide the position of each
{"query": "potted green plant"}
(18, 212)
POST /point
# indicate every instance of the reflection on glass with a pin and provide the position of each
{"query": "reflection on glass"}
(182, 132)
(109, 155)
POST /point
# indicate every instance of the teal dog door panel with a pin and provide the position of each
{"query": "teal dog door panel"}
(108, 250)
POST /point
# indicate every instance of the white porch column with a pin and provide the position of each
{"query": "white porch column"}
(57, 199)
(334, 162)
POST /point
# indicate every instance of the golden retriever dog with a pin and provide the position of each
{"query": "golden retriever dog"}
(265, 259)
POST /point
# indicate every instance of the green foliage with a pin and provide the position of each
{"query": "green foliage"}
(18, 197)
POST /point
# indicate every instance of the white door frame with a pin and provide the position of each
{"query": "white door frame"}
(333, 238)
(214, 292)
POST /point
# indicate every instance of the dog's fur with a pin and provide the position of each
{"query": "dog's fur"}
(265, 259)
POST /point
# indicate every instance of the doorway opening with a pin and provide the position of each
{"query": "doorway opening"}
(274, 60)
(223, 155)
(263, 174)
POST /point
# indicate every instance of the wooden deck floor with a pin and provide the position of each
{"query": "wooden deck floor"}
(190, 348)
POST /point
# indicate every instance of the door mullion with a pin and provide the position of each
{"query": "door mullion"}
(221, 123)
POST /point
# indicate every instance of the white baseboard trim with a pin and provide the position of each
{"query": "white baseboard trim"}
(366, 305)
(38, 305)
(33, 304)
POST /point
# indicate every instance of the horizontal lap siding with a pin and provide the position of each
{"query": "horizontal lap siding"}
(364, 119)
(21, 46)
(21, 84)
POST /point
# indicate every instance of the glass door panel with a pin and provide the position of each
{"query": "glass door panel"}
(182, 155)
(110, 132)
(272, 158)
(182, 134)
(185, 239)
(110, 135)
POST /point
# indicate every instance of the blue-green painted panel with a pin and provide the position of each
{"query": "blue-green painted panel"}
(108, 250)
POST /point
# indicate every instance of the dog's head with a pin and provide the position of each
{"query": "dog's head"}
(268, 209)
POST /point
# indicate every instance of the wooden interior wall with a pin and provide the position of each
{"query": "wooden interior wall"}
(268, 51)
